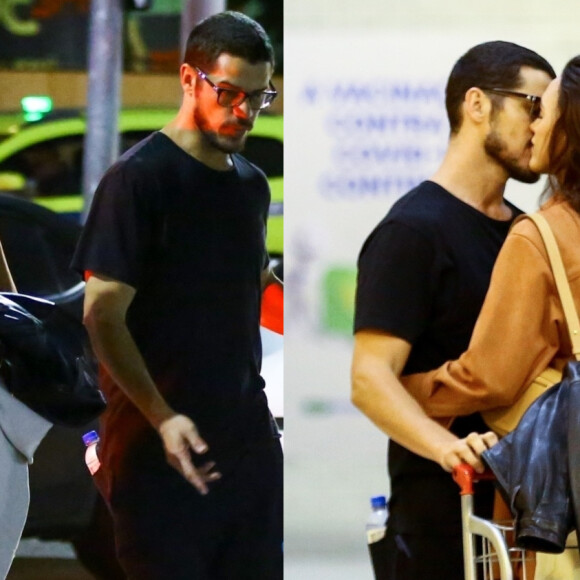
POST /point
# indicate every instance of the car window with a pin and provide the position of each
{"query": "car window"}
(39, 258)
(53, 167)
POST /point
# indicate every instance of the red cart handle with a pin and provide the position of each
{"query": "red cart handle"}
(465, 476)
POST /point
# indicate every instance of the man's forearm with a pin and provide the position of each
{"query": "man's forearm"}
(118, 353)
(381, 397)
(378, 360)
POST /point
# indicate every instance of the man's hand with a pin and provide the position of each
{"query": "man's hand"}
(467, 450)
(180, 437)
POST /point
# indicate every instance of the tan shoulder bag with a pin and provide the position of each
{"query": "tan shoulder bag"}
(505, 419)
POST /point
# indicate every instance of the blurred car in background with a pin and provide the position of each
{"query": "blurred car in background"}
(39, 243)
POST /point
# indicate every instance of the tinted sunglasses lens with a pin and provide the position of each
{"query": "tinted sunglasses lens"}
(227, 98)
(268, 99)
(256, 101)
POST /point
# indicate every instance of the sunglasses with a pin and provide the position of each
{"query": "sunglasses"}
(534, 100)
(227, 97)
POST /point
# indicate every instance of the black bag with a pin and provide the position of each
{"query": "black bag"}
(46, 361)
(536, 467)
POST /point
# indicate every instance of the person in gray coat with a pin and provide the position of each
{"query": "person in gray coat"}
(21, 431)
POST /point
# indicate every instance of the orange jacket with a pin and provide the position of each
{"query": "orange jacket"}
(521, 329)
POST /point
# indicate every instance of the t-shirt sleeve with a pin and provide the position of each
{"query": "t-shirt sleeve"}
(396, 276)
(117, 234)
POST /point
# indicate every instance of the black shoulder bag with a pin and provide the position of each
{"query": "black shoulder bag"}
(46, 361)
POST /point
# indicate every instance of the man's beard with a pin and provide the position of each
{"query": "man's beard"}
(496, 148)
(223, 143)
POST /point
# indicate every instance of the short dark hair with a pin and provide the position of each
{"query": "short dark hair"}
(495, 64)
(227, 32)
(564, 154)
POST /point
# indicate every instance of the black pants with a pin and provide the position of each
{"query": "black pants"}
(418, 556)
(165, 529)
(429, 544)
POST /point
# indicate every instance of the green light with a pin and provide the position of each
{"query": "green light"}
(34, 107)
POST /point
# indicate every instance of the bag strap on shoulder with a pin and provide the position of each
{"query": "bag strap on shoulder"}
(561, 281)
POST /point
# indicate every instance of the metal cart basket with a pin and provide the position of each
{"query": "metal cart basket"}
(491, 554)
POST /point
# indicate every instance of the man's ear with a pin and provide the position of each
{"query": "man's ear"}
(476, 105)
(188, 77)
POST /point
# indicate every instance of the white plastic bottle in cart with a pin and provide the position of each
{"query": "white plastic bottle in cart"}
(91, 441)
(377, 521)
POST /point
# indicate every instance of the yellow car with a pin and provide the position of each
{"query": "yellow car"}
(42, 160)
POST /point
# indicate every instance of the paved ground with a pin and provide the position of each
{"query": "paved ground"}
(47, 569)
(322, 567)
(37, 560)
(333, 464)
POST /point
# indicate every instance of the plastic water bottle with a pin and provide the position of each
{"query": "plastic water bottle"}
(91, 441)
(376, 525)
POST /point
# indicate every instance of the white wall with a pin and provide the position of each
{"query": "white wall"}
(364, 84)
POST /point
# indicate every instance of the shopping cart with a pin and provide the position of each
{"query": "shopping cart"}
(491, 552)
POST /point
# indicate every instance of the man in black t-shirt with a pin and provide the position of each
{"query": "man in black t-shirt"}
(174, 251)
(423, 274)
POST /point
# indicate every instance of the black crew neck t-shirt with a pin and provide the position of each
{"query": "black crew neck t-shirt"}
(423, 273)
(191, 241)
